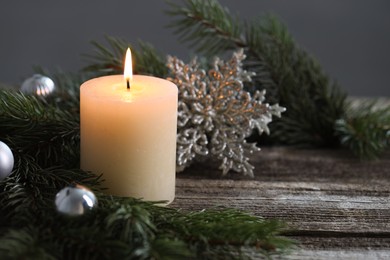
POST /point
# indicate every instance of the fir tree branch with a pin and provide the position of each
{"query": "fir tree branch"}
(48, 134)
(290, 76)
(313, 102)
(66, 95)
(149, 61)
(365, 130)
(118, 227)
(30, 188)
(109, 60)
(165, 248)
(227, 237)
(23, 244)
(129, 228)
(206, 25)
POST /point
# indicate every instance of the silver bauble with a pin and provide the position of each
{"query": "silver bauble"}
(6, 161)
(75, 200)
(38, 85)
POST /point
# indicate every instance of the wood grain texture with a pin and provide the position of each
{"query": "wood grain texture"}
(335, 205)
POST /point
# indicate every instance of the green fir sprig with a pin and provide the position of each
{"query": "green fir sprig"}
(108, 60)
(66, 96)
(47, 133)
(207, 26)
(291, 76)
(45, 142)
(365, 130)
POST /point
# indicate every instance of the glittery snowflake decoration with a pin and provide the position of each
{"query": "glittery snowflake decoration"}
(216, 114)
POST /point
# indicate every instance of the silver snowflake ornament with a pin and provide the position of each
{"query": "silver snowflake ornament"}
(216, 114)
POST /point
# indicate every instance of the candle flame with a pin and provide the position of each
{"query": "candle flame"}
(128, 71)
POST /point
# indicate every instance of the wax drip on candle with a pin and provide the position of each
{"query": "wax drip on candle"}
(128, 70)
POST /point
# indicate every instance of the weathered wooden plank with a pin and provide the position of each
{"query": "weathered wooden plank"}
(305, 254)
(291, 165)
(331, 200)
(303, 210)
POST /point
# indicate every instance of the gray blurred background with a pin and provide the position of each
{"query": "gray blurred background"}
(350, 38)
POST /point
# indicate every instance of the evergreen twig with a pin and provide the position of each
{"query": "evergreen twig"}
(66, 95)
(109, 60)
(129, 228)
(208, 26)
(365, 130)
(48, 134)
(290, 76)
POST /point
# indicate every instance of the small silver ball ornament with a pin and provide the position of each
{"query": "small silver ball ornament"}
(6, 161)
(75, 200)
(38, 85)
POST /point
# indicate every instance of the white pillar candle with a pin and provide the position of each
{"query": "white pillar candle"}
(129, 135)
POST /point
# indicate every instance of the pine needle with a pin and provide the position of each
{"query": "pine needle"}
(291, 76)
(109, 60)
(46, 133)
(365, 130)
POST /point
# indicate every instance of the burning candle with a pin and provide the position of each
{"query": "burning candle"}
(128, 133)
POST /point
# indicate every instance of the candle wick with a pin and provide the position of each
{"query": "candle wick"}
(128, 84)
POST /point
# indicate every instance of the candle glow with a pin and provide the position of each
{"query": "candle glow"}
(128, 68)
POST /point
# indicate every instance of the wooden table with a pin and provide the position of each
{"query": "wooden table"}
(336, 206)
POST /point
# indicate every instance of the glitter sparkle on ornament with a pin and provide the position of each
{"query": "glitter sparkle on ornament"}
(216, 114)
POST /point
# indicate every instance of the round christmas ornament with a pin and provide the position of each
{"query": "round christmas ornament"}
(6, 160)
(75, 200)
(38, 85)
